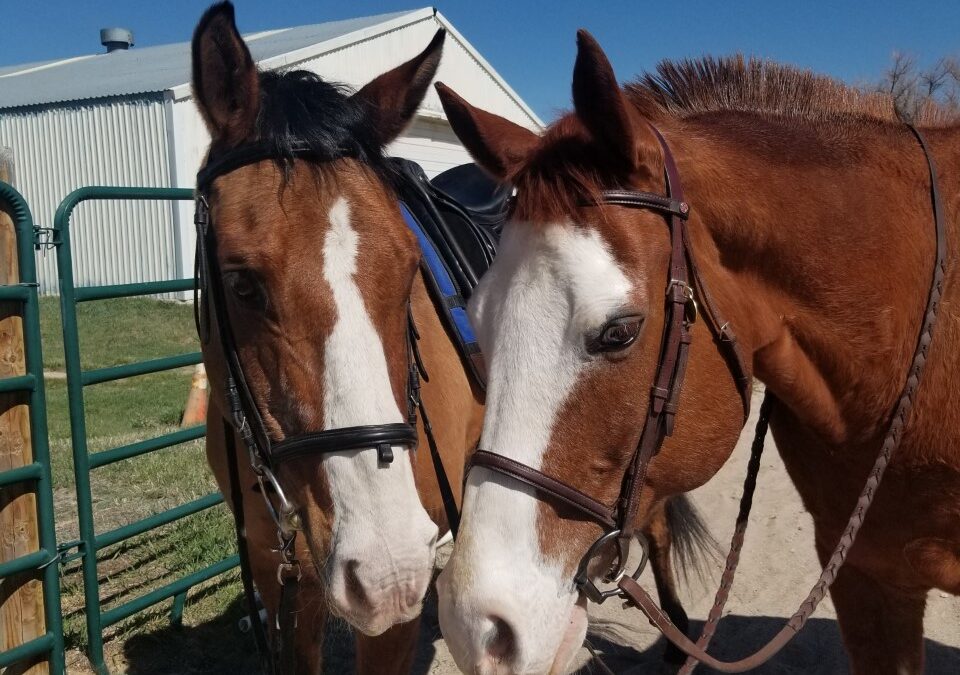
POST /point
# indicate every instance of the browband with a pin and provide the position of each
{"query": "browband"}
(643, 200)
(251, 153)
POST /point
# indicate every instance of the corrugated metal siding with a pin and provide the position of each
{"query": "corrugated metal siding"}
(121, 141)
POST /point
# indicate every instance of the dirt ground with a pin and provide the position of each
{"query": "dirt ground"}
(778, 567)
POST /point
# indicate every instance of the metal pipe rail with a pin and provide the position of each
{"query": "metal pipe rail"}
(85, 462)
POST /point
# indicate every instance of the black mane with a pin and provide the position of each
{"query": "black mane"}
(299, 108)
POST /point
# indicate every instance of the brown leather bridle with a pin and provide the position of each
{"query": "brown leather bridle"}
(684, 286)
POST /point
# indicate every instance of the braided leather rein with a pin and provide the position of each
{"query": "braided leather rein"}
(697, 651)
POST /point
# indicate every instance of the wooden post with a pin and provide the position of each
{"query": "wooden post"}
(21, 597)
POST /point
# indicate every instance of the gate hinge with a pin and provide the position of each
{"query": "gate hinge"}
(45, 238)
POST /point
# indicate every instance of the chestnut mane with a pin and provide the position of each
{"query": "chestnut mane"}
(683, 89)
(564, 171)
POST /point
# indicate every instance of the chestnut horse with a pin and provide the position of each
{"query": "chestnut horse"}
(318, 268)
(811, 224)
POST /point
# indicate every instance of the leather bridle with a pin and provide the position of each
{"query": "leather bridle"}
(265, 454)
(684, 287)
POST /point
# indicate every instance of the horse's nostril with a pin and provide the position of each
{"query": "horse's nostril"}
(354, 586)
(501, 643)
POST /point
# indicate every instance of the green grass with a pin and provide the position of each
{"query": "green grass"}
(125, 330)
(114, 332)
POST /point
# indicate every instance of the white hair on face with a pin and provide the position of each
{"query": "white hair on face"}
(378, 518)
(548, 287)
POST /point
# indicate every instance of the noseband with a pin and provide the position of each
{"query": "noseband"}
(684, 287)
(265, 453)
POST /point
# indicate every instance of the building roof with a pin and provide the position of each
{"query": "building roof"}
(154, 69)
(167, 67)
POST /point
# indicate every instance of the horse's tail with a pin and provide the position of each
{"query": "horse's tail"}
(694, 548)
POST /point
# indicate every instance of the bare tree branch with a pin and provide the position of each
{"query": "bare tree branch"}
(913, 89)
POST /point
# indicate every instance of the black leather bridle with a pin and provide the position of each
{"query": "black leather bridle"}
(266, 454)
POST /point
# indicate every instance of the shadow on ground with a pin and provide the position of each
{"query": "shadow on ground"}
(217, 647)
(818, 649)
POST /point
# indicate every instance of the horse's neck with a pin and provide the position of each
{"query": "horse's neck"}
(453, 404)
(823, 267)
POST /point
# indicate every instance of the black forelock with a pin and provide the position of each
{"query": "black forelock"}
(299, 108)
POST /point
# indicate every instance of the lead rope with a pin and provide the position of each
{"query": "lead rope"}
(639, 597)
(598, 658)
(739, 533)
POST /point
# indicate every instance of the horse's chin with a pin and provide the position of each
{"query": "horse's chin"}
(572, 639)
(373, 625)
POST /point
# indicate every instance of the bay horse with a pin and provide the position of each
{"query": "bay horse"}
(808, 209)
(318, 269)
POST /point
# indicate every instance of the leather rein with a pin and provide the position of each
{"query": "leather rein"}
(265, 454)
(687, 297)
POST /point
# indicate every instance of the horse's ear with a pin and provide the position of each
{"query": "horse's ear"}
(601, 105)
(393, 97)
(226, 84)
(495, 143)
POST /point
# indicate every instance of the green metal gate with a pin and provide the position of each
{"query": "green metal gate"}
(38, 471)
(92, 542)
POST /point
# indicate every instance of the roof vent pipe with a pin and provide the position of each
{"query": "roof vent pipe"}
(116, 39)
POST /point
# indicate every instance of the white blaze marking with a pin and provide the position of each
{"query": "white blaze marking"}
(547, 287)
(357, 391)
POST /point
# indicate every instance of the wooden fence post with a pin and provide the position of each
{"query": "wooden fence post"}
(21, 596)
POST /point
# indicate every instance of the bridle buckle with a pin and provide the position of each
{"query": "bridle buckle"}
(289, 571)
(588, 586)
(690, 309)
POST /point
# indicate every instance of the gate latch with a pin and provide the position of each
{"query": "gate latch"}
(64, 554)
(45, 238)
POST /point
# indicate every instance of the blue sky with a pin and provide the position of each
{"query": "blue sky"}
(532, 43)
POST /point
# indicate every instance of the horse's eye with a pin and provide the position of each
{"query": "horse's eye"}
(617, 334)
(244, 286)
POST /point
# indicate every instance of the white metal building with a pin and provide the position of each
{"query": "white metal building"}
(127, 118)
